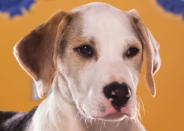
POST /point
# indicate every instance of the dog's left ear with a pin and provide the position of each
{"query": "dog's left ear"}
(151, 49)
(36, 50)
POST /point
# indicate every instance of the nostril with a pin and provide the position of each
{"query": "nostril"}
(119, 94)
(122, 91)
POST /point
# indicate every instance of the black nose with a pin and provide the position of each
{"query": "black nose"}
(118, 93)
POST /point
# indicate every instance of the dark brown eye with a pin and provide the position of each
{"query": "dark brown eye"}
(131, 52)
(85, 51)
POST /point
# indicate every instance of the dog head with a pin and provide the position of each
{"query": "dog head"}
(95, 50)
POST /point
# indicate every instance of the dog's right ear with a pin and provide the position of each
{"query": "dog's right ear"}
(35, 53)
(151, 49)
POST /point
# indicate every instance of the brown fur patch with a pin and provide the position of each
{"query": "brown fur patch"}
(69, 37)
(35, 51)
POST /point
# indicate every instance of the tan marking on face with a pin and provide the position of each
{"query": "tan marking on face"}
(138, 59)
(71, 38)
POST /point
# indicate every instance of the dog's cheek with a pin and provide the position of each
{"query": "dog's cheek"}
(73, 66)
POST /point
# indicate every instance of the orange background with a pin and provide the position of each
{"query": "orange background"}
(163, 113)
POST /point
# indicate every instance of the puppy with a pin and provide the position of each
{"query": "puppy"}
(90, 58)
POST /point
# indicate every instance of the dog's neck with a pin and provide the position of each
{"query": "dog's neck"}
(57, 113)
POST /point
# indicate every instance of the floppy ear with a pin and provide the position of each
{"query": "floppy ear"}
(151, 49)
(35, 53)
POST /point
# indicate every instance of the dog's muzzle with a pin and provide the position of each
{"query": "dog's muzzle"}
(118, 94)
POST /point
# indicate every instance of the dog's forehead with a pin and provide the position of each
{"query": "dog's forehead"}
(105, 22)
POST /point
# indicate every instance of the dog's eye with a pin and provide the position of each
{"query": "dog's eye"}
(85, 51)
(131, 52)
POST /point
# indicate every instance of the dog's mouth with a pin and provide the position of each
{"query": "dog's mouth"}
(114, 116)
(110, 114)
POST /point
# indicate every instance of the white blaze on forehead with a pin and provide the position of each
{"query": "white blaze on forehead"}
(107, 25)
